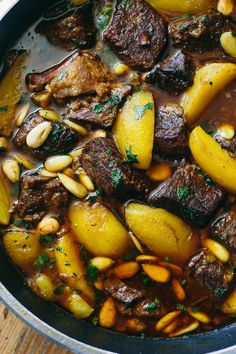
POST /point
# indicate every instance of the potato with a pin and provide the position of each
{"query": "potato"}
(229, 304)
(42, 285)
(78, 306)
(162, 232)
(10, 94)
(215, 161)
(208, 82)
(70, 266)
(4, 202)
(23, 247)
(99, 230)
(182, 6)
(134, 129)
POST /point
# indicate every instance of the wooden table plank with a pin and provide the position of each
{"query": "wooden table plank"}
(18, 338)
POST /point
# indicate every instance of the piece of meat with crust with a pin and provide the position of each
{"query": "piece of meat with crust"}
(71, 29)
(61, 139)
(80, 73)
(174, 74)
(199, 32)
(120, 291)
(137, 34)
(109, 171)
(229, 145)
(189, 193)
(223, 228)
(171, 132)
(146, 308)
(209, 272)
(97, 111)
(40, 195)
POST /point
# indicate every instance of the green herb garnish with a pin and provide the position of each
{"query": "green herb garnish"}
(153, 305)
(22, 224)
(94, 320)
(59, 290)
(208, 181)
(47, 240)
(92, 197)
(92, 273)
(62, 75)
(219, 292)
(184, 282)
(3, 108)
(147, 281)
(116, 178)
(84, 254)
(181, 307)
(131, 158)
(195, 309)
(59, 249)
(140, 110)
(199, 170)
(182, 192)
(167, 259)
(43, 260)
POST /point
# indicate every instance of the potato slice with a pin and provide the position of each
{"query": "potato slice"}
(78, 306)
(208, 82)
(99, 230)
(4, 202)
(70, 266)
(182, 6)
(22, 247)
(10, 94)
(134, 129)
(222, 166)
(229, 304)
(162, 232)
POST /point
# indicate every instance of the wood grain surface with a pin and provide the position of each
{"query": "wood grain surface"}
(18, 338)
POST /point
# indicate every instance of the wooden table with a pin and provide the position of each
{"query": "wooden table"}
(18, 338)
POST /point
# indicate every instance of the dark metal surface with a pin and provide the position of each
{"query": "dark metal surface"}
(77, 335)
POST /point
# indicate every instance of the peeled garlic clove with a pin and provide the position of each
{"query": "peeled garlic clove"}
(38, 135)
(228, 43)
(58, 163)
(11, 169)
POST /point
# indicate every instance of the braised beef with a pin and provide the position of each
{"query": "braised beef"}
(206, 269)
(96, 111)
(120, 291)
(146, 308)
(61, 139)
(40, 195)
(229, 145)
(174, 74)
(80, 73)
(190, 194)
(140, 42)
(224, 229)
(199, 32)
(109, 171)
(69, 28)
(171, 134)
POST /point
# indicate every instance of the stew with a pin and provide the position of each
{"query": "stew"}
(118, 162)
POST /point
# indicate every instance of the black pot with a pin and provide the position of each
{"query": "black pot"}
(53, 322)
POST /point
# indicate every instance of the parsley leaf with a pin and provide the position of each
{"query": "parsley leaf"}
(92, 273)
(3, 108)
(182, 192)
(22, 224)
(43, 260)
(62, 75)
(98, 108)
(181, 307)
(140, 110)
(94, 320)
(131, 158)
(184, 282)
(59, 290)
(92, 197)
(219, 292)
(47, 240)
(195, 309)
(112, 101)
(84, 254)
(153, 305)
(2, 150)
(116, 178)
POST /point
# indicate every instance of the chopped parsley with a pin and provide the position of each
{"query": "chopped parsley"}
(3, 108)
(92, 273)
(181, 28)
(59, 249)
(182, 192)
(199, 170)
(2, 150)
(22, 224)
(127, 3)
(140, 110)
(98, 108)
(62, 75)
(167, 259)
(184, 282)
(112, 101)
(59, 290)
(84, 254)
(94, 320)
(104, 19)
(131, 157)
(195, 309)
(47, 240)
(92, 197)
(43, 260)
(153, 305)
(206, 20)
(219, 292)
(181, 307)
(116, 178)
(208, 181)
(147, 281)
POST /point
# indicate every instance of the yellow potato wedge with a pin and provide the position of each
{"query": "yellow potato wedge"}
(70, 266)
(10, 94)
(78, 306)
(42, 285)
(134, 129)
(208, 82)
(215, 161)
(23, 247)
(182, 6)
(99, 230)
(229, 305)
(4, 202)
(162, 232)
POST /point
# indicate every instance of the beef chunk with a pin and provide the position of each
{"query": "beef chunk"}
(103, 163)
(199, 32)
(121, 291)
(80, 73)
(171, 135)
(229, 145)
(140, 42)
(174, 74)
(209, 272)
(190, 194)
(41, 195)
(61, 139)
(73, 28)
(96, 111)
(224, 229)
(146, 308)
